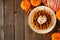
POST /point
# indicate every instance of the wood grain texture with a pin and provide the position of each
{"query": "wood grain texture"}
(1, 21)
(9, 29)
(19, 21)
(29, 34)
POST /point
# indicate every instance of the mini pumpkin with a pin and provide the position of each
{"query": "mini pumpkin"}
(25, 4)
(58, 14)
(56, 36)
(35, 2)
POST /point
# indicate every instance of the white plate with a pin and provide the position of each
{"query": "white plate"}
(48, 10)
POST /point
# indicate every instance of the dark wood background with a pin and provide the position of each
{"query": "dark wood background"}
(14, 23)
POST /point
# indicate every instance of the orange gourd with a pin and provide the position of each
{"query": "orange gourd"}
(25, 4)
(56, 36)
(58, 14)
(35, 2)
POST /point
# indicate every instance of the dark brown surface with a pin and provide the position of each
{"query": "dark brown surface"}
(1, 21)
(14, 23)
(9, 28)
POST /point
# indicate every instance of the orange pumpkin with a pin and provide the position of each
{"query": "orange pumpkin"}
(25, 4)
(58, 14)
(35, 2)
(56, 36)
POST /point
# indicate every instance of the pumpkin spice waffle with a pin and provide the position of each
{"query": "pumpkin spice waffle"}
(45, 25)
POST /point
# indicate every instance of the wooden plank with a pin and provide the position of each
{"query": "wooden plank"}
(19, 21)
(9, 28)
(1, 21)
(29, 34)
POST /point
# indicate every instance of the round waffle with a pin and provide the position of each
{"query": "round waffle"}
(48, 23)
(45, 25)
